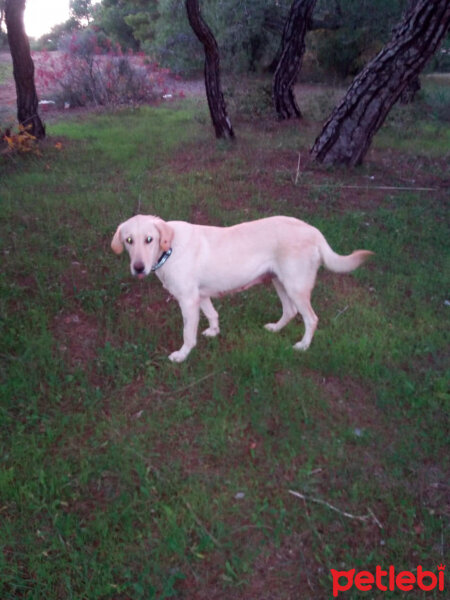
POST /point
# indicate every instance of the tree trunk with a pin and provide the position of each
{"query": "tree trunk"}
(292, 50)
(408, 94)
(23, 68)
(216, 102)
(347, 134)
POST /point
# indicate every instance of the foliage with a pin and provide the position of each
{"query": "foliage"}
(126, 21)
(91, 70)
(363, 29)
(174, 43)
(81, 14)
(81, 10)
(50, 41)
(21, 142)
(432, 100)
(143, 23)
(441, 60)
(340, 53)
(3, 36)
(347, 33)
(375, 19)
(252, 101)
(249, 33)
(437, 100)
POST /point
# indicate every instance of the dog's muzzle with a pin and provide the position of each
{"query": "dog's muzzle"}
(139, 269)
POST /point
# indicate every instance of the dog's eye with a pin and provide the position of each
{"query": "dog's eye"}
(129, 240)
(149, 239)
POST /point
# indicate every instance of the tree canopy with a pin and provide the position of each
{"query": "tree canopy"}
(346, 33)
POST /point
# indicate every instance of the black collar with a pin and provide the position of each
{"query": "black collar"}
(162, 259)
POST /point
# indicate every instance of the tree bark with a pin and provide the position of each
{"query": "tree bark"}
(292, 50)
(23, 69)
(409, 92)
(216, 101)
(348, 133)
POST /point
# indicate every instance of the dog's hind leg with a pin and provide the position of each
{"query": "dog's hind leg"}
(289, 308)
(212, 315)
(303, 304)
(298, 277)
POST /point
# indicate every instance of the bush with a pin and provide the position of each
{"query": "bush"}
(431, 104)
(252, 100)
(90, 70)
(436, 96)
(343, 53)
(20, 142)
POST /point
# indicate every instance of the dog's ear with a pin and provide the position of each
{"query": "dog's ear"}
(117, 244)
(166, 234)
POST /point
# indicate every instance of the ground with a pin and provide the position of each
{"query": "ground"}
(264, 543)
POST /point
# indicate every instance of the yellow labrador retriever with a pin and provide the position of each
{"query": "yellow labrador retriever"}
(196, 263)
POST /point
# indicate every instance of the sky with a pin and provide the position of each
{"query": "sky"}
(41, 15)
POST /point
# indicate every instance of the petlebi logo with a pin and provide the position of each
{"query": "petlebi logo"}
(388, 579)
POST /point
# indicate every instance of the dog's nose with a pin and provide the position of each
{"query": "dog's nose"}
(139, 267)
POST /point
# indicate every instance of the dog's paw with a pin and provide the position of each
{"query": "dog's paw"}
(178, 356)
(302, 346)
(271, 327)
(211, 332)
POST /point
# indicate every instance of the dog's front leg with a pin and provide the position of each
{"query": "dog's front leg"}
(190, 309)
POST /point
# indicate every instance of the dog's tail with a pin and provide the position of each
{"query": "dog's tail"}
(342, 264)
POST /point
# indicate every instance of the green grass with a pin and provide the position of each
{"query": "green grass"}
(125, 476)
(425, 121)
(5, 72)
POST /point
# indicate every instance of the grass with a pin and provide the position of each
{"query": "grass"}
(126, 476)
(5, 72)
(426, 119)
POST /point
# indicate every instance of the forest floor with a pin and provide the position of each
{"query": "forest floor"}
(127, 477)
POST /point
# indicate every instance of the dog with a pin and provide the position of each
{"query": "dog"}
(198, 262)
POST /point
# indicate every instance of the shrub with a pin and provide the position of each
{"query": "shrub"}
(21, 142)
(437, 98)
(91, 70)
(252, 100)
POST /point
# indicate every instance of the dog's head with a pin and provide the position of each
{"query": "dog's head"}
(144, 237)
